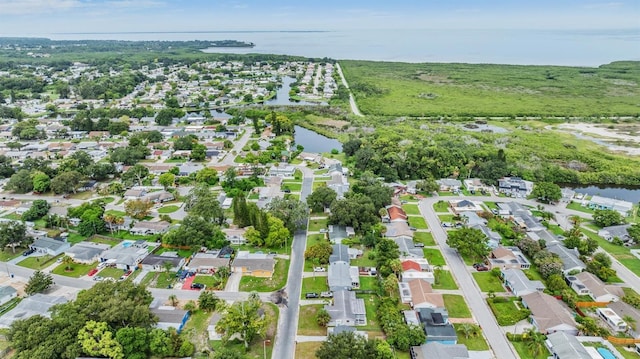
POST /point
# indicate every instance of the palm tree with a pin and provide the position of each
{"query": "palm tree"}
(110, 219)
(468, 329)
(535, 342)
(173, 299)
(396, 266)
(437, 270)
(631, 323)
(576, 220)
(68, 261)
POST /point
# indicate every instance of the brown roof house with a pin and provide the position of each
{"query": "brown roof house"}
(548, 315)
(419, 294)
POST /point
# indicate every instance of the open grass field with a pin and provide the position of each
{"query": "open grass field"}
(456, 306)
(37, 262)
(441, 206)
(314, 285)
(418, 222)
(316, 225)
(403, 89)
(576, 206)
(488, 282)
(307, 350)
(411, 209)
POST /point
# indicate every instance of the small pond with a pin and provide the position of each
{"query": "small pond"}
(314, 142)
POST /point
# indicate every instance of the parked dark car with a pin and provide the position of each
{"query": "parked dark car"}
(197, 286)
(311, 295)
(418, 245)
(28, 252)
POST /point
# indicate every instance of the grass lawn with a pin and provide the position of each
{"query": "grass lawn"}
(107, 200)
(105, 240)
(418, 222)
(491, 205)
(319, 183)
(578, 207)
(508, 313)
(446, 194)
(307, 350)
(626, 354)
(14, 216)
(476, 343)
(441, 206)
(425, 238)
(77, 269)
(81, 195)
(488, 282)
(411, 209)
(38, 262)
(164, 280)
(446, 218)
(74, 238)
(277, 281)
(168, 209)
(556, 229)
(209, 280)
(115, 212)
(446, 281)
(7, 254)
(294, 196)
(456, 306)
(292, 186)
(111, 272)
(314, 285)
(621, 253)
(307, 324)
(370, 306)
(368, 283)
(525, 353)
(315, 239)
(148, 278)
(196, 328)
(364, 261)
(316, 224)
(434, 256)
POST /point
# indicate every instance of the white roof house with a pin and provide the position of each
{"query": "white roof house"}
(597, 202)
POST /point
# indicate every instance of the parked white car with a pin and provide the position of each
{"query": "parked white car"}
(319, 269)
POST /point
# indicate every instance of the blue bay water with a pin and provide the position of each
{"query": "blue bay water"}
(526, 47)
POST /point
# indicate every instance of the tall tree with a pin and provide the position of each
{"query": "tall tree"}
(38, 283)
(138, 208)
(292, 212)
(546, 192)
(12, 234)
(321, 198)
(607, 217)
(469, 242)
(96, 339)
(244, 319)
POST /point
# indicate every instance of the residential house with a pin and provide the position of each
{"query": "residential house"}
(158, 197)
(570, 257)
(623, 310)
(417, 264)
(459, 206)
(398, 230)
(126, 255)
(157, 263)
(346, 329)
(341, 276)
(438, 350)
(408, 248)
(86, 252)
(623, 207)
(346, 309)
(619, 231)
(517, 282)
(253, 264)
(411, 275)
(508, 258)
(186, 169)
(339, 184)
(340, 253)
(421, 295)
(515, 186)
(145, 228)
(7, 293)
(437, 326)
(449, 184)
(337, 233)
(170, 317)
(208, 262)
(134, 193)
(49, 246)
(548, 314)
(566, 346)
(585, 283)
(235, 236)
(472, 219)
(475, 185)
(284, 170)
(612, 319)
(36, 304)
(395, 213)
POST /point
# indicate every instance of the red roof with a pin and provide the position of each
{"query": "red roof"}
(396, 213)
(408, 265)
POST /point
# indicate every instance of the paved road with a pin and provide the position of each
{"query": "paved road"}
(284, 347)
(499, 344)
(237, 147)
(352, 100)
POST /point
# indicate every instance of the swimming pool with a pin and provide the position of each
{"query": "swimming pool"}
(126, 244)
(606, 354)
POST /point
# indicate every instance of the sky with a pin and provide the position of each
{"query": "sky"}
(32, 17)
